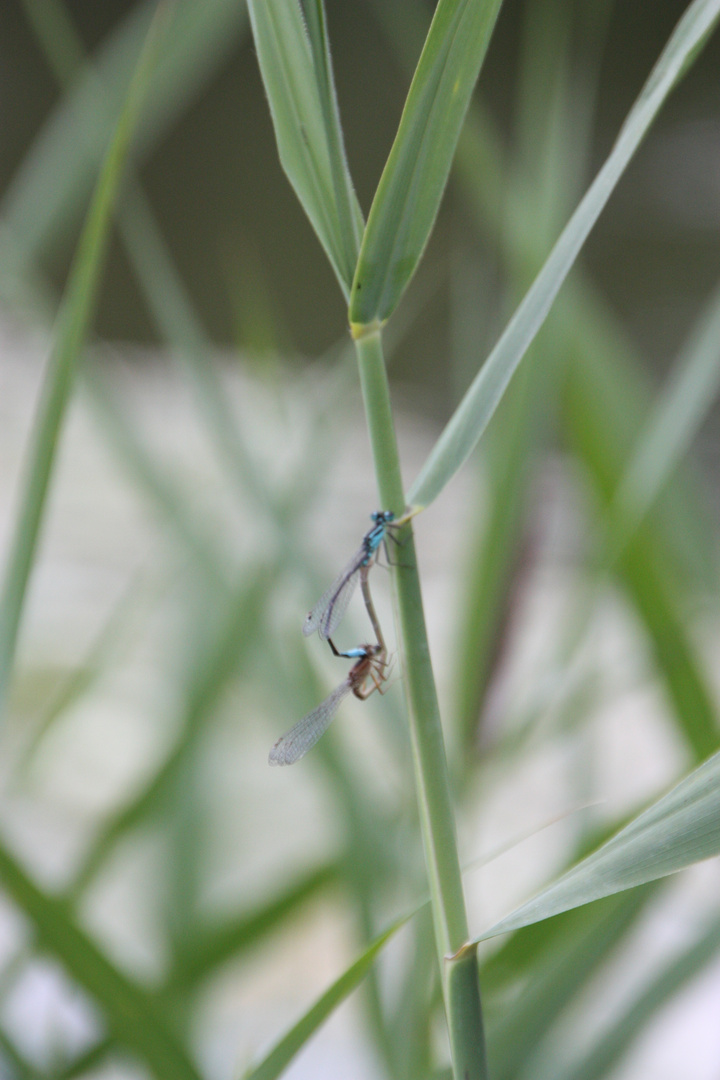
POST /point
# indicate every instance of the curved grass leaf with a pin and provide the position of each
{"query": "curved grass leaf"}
(412, 184)
(307, 128)
(681, 828)
(71, 329)
(475, 410)
(350, 219)
(129, 1012)
(283, 1052)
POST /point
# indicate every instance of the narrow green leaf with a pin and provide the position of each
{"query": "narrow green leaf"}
(681, 828)
(218, 652)
(129, 1012)
(556, 977)
(685, 402)
(89, 1059)
(174, 507)
(350, 219)
(213, 947)
(82, 678)
(601, 420)
(71, 329)
(412, 184)
(284, 1051)
(473, 414)
(615, 1042)
(307, 129)
(14, 1064)
(56, 175)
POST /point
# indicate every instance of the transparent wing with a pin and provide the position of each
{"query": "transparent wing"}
(291, 747)
(332, 605)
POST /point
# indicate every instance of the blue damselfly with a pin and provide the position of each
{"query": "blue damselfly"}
(332, 605)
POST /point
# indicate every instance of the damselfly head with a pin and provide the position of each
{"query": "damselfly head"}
(384, 517)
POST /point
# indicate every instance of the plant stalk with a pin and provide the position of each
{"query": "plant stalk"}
(459, 976)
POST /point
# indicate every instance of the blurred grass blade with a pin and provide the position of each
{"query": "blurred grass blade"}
(684, 404)
(283, 1052)
(308, 135)
(412, 184)
(89, 1059)
(211, 948)
(558, 975)
(13, 1063)
(615, 1042)
(128, 1011)
(167, 298)
(70, 332)
(48, 190)
(113, 634)
(53, 29)
(196, 537)
(602, 406)
(218, 652)
(681, 828)
(473, 414)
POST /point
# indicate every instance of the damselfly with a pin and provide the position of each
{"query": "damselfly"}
(332, 605)
(370, 665)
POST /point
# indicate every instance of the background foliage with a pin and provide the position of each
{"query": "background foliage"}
(162, 887)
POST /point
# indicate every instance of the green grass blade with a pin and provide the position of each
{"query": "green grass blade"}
(432, 782)
(681, 828)
(412, 184)
(690, 393)
(475, 410)
(350, 219)
(89, 1059)
(218, 652)
(557, 976)
(182, 329)
(616, 1041)
(283, 1052)
(601, 418)
(13, 1064)
(308, 136)
(71, 330)
(53, 29)
(56, 175)
(213, 947)
(112, 635)
(167, 299)
(166, 497)
(129, 1012)
(493, 570)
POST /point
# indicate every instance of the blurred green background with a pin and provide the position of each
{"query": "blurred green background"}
(249, 259)
(171, 904)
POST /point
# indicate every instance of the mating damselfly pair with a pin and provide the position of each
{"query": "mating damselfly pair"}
(371, 660)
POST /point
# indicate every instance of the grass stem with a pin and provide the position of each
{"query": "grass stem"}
(460, 978)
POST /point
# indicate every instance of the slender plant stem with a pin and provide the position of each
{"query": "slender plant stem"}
(460, 976)
(71, 329)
